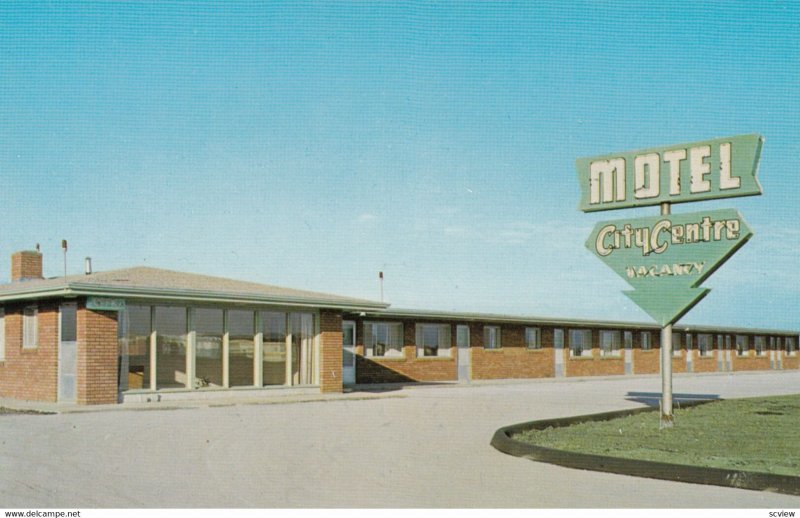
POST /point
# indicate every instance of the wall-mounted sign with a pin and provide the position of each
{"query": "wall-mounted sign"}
(105, 304)
(665, 258)
(720, 168)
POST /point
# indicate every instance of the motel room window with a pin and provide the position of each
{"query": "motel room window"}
(384, 339)
(274, 355)
(610, 343)
(208, 327)
(676, 344)
(241, 347)
(788, 343)
(491, 337)
(30, 327)
(647, 341)
(2, 334)
(433, 340)
(761, 346)
(533, 338)
(580, 343)
(170, 327)
(704, 344)
(742, 345)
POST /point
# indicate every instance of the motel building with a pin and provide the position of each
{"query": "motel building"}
(146, 334)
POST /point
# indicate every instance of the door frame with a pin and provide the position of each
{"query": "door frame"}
(349, 372)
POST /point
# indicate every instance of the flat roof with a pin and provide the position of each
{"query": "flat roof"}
(426, 314)
(144, 282)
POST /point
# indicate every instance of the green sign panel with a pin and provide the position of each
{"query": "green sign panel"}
(719, 168)
(665, 258)
(105, 304)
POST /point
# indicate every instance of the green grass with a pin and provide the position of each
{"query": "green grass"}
(754, 434)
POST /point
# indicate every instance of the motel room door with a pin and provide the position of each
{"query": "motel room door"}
(67, 353)
(348, 352)
(462, 342)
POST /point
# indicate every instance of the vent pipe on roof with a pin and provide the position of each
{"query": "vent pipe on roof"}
(87, 266)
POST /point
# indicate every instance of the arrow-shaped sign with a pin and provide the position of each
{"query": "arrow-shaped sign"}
(665, 258)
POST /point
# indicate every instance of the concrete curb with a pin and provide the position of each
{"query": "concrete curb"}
(753, 480)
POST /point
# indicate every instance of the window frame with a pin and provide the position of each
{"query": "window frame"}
(790, 346)
(585, 347)
(369, 348)
(614, 351)
(709, 351)
(677, 343)
(495, 332)
(444, 340)
(763, 340)
(533, 338)
(30, 324)
(646, 340)
(744, 350)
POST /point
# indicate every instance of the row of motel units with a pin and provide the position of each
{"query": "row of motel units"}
(143, 333)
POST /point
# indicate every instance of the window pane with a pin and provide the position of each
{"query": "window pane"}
(241, 348)
(302, 333)
(274, 358)
(69, 322)
(430, 340)
(533, 338)
(207, 325)
(170, 326)
(609, 343)
(491, 337)
(135, 348)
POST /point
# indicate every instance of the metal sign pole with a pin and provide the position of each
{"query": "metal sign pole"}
(666, 361)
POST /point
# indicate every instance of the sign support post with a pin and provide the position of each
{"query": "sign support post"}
(666, 359)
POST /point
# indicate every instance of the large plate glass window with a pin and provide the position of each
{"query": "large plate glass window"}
(170, 326)
(134, 348)
(241, 348)
(208, 327)
(274, 357)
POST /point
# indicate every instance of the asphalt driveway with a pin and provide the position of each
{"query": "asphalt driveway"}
(424, 446)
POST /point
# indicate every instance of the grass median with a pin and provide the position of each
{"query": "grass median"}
(754, 434)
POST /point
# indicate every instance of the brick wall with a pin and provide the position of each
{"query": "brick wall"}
(97, 356)
(30, 374)
(750, 362)
(330, 368)
(594, 365)
(513, 359)
(409, 367)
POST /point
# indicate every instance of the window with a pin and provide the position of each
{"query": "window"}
(647, 341)
(704, 344)
(742, 345)
(533, 338)
(2, 335)
(788, 342)
(609, 343)
(384, 339)
(491, 337)
(30, 328)
(241, 347)
(433, 340)
(134, 348)
(761, 346)
(676, 344)
(688, 342)
(170, 327)
(207, 324)
(273, 361)
(580, 342)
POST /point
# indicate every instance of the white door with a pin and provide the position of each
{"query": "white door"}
(348, 352)
(67, 353)
(462, 341)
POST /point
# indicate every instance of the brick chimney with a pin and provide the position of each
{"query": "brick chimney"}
(26, 265)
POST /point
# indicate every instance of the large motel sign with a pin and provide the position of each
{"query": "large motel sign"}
(665, 258)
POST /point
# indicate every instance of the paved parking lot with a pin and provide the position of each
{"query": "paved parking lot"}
(424, 446)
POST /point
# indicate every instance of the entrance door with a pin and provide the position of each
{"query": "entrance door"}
(67, 353)
(462, 341)
(348, 352)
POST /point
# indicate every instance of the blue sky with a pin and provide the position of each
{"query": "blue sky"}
(312, 144)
